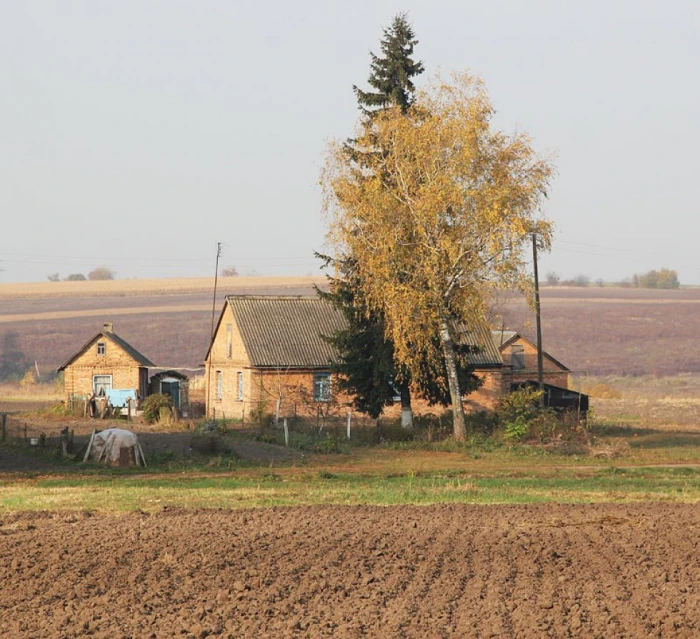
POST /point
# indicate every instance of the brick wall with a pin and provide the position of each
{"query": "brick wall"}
(124, 369)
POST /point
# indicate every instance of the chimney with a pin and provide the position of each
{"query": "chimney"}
(108, 327)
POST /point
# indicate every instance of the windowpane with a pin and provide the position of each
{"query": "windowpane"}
(101, 348)
(240, 387)
(219, 385)
(101, 384)
(229, 341)
(517, 358)
(322, 387)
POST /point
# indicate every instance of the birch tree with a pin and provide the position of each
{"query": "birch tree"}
(438, 219)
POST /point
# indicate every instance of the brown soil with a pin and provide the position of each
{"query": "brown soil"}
(444, 571)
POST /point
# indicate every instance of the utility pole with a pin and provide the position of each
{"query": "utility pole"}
(216, 280)
(538, 319)
(211, 338)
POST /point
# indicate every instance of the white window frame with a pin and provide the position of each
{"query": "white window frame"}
(239, 386)
(219, 386)
(322, 387)
(105, 377)
(101, 346)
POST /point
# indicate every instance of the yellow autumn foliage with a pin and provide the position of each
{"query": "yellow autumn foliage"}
(437, 214)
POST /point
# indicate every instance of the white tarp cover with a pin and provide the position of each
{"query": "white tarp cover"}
(106, 446)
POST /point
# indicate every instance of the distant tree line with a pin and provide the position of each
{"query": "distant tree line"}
(100, 273)
(663, 278)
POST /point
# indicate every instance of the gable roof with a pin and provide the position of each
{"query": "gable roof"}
(286, 330)
(141, 359)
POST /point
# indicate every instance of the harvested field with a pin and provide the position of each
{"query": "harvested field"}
(462, 571)
(614, 331)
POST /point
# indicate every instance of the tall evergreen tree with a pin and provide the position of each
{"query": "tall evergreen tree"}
(366, 358)
(391, 74)
(366, 365)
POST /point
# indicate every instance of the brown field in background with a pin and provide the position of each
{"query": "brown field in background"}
(614, 331)
(168, 320)
(597, 331)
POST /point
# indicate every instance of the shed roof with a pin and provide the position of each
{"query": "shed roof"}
(140, 359)
(286, 331)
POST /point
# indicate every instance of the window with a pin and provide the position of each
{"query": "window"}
(101, 348)
(517, 357)
(240, 386)
(101, 384)
(219, 385)
(229, 341)
(322, 387)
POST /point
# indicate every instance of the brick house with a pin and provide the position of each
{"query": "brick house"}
(106, 362)
(268, 355)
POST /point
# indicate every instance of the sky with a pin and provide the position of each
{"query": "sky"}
(139, 134)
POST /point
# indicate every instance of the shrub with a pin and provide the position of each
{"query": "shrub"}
(664, 278)
(552, 278)
(101, 273)
(522, 404)
(152, 406)
(75, 277)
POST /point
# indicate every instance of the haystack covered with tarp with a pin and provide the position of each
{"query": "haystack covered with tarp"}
(115, 447)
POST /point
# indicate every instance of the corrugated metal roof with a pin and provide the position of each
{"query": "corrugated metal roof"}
(286, 331)
(475, 332)
(501, 336)
(140, 358)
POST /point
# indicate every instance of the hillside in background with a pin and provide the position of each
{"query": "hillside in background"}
(169, 321)
(601, 331)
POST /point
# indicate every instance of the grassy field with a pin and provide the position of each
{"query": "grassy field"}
(623, 463)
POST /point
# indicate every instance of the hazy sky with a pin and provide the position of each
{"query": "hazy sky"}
(138, 134)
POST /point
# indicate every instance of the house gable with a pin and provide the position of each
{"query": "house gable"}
(509, 339)
(117, 351)
(228, 347)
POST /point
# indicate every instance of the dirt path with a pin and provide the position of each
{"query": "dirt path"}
(443, 571)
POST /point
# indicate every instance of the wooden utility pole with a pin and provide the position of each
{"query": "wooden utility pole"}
(211, 338)
(538, 320)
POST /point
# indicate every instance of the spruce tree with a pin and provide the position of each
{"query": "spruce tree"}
(366, 366)
(392, 72)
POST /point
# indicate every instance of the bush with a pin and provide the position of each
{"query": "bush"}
(75, 277)
(101, 273)
(152, 406)
(665, 278)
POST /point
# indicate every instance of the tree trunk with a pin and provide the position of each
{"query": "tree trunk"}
(406, 412)
(448, 350)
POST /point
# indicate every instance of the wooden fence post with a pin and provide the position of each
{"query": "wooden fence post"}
(4, 427)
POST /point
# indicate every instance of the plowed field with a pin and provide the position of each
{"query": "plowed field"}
(458, 571)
